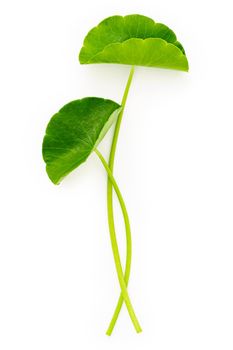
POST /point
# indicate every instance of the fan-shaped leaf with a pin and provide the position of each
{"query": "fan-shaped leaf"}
(133, 40)
(74, 132)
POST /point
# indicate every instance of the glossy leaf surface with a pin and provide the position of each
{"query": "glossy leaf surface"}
(133, 40)
(74, 132)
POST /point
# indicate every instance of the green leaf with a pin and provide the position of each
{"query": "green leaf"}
(133, 40)
(74, 132)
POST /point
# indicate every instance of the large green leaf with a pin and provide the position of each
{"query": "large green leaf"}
(74, 132)
(133, 40)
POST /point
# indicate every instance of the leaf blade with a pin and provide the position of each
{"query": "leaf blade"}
(113, 35)
(150, 52)
(74, 132)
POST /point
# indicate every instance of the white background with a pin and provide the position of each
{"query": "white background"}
(58, 285)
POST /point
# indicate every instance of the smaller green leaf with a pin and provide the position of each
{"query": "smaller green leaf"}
(74, 132)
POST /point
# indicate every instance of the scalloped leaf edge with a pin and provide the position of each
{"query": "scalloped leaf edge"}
(173, 39)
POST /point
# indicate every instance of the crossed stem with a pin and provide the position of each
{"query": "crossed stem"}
(120, 274)
(122, 277)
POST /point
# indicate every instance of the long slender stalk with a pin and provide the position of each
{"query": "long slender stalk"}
(110, 207)
(120, 274)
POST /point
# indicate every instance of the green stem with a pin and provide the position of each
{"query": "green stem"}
(110, 206)
(120, 274)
